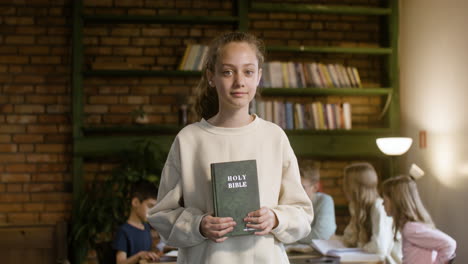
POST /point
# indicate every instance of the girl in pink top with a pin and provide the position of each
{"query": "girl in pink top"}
(422, 242)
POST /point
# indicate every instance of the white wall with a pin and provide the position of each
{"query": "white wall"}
(434, 97)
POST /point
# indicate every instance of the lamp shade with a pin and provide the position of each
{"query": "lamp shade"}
(394, 146)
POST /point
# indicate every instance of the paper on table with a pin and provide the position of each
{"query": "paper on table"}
(172, 253)
(336, 248)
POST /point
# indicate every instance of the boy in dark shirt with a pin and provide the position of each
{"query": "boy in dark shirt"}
(133, 240)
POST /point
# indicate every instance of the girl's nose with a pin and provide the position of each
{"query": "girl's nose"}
(240, 80)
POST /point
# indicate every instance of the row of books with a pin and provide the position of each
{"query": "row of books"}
(278, 74)
(313, 116)
(193, 58)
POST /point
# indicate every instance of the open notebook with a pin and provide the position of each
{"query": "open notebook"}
(336, 248)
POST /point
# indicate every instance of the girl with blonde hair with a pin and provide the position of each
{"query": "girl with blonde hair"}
(369, 227)
(422, 242)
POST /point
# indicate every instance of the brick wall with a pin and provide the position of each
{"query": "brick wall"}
(35, 52)
(34, 112)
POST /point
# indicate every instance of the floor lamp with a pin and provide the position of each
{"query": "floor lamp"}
(394, 147)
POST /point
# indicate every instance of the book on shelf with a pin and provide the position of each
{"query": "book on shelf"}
(344, 74)
(184, 58)
(289, 115)
(235, 192)
(316, 76)
(325, 76)
(276, 74)
(347, 116)
(285, 75)
(336, 248)
(200, 62)
(301, 82)
(299, 116)
(356, 77)
(349, 71)
(330, 116)
(193, 58)
(334, 75)
(308, 117)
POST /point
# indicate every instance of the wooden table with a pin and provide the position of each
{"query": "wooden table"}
(166, 260)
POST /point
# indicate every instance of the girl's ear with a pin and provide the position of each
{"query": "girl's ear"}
(135, 202)
(209, 77)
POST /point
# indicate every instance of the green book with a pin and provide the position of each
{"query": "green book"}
(235, 192)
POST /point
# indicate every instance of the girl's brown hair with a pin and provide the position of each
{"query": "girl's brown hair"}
(205, 103)
(360, 187)
(405, 202)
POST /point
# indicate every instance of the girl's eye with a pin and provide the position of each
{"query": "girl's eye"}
(227, 73)
(249, 72)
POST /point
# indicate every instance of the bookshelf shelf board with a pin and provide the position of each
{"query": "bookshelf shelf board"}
(316, 49)
(336, 145)
(324, 9)
(380, 132)
(140, 73)
(135, 19)
(339, 144)
(324, 91)
(160, 129)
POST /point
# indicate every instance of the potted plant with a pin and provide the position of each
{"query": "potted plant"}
(105, 205)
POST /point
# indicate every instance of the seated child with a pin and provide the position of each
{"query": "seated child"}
(369, 228)
(324, 225)
(133, 240)
(422, 242)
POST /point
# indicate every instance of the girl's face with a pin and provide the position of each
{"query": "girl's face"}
(236, 76)
(309, 187)
(387, 205)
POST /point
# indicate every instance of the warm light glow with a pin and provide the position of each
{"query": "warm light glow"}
(394, 146)
(443, 159)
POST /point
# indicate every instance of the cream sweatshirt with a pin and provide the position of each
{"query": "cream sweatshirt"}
(185, 194)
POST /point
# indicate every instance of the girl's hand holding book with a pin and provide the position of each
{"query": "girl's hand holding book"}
(263, 219)
(214, 228)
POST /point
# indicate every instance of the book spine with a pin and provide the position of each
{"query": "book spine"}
(213, 188)
(347, 116)
(197, 60)
(266, 80)
(191, 57)
(356, 77)
(184, 58)
(203, 57)
(284, 73)
(289, 115)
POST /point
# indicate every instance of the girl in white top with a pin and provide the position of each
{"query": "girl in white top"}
(369, 228)
(227, 132)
